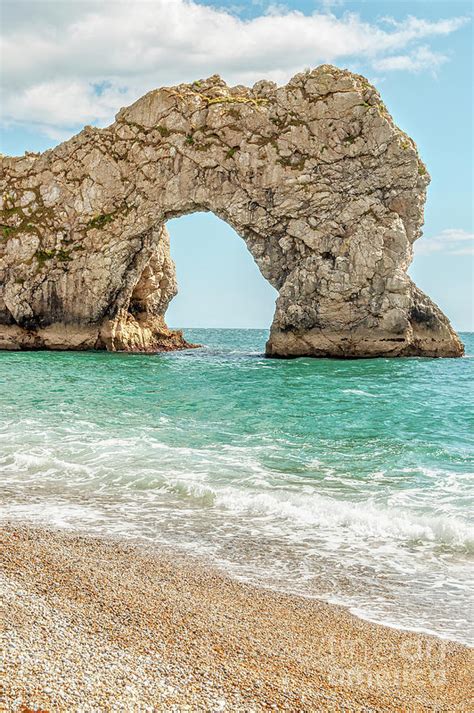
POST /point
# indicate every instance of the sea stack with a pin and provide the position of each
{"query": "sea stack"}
(314, 176)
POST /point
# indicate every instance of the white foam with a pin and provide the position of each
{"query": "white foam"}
(360, 392)
(362, 519)
(61, 515)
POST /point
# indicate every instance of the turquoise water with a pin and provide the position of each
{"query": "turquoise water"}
(344, 480)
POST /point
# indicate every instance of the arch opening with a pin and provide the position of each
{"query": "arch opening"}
(219, 285)
(199, 274)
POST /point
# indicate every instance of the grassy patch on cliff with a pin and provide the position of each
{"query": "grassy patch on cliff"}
(100, 221)
(42, 256)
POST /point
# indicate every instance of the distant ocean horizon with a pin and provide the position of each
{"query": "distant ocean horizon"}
(348, 481)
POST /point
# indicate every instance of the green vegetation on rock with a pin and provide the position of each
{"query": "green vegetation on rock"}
(100, 221)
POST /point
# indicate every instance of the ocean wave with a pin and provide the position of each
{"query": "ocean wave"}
(361, 519)
(209, 478)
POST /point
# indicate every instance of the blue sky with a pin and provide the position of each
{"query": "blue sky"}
(70, 63)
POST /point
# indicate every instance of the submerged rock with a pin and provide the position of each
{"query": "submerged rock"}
(325, 190)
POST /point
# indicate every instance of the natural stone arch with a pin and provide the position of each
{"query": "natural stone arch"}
(325, 190)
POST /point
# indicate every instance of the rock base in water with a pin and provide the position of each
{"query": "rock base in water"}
(127, 335)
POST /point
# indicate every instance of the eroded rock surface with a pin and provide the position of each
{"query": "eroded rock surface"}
(325, 190)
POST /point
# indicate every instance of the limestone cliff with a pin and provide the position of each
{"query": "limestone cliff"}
(325, 190)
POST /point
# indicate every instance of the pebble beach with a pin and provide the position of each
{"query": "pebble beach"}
(97, 624)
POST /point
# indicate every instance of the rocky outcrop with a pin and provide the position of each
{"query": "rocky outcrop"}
(325, 190)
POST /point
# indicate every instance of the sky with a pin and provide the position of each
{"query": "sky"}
(67, 63)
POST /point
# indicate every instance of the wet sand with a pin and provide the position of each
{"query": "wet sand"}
(102, 625)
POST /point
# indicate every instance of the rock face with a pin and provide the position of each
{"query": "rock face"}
(325, 190)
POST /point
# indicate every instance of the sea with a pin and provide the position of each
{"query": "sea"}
(349, 481)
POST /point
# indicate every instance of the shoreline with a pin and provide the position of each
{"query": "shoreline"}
(198, 560)
(102, 623)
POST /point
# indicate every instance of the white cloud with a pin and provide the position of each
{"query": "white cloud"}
(63, 103)
(54, 54)
(417, 61)
(329, 4)
(453, 241)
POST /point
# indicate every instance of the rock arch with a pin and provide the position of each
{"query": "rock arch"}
(325, 190)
